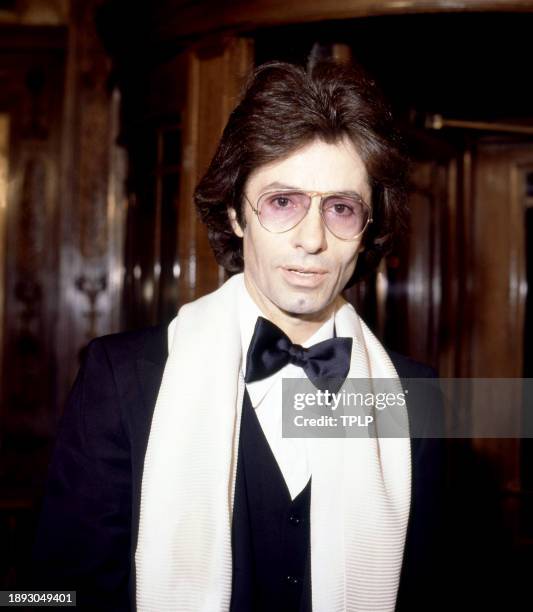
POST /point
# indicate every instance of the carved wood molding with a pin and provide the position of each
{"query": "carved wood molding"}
(35, 12)
(194, 19)
(215, 79)
(92, 206)
(32, 96)
(4, 174)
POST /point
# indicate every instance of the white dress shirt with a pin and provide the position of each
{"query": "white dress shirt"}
(266, 397)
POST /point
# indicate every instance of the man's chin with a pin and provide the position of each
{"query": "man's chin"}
(310, 310)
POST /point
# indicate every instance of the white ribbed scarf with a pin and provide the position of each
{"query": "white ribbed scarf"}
(361, 489)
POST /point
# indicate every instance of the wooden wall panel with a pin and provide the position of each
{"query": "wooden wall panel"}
(63, 254)
(189, 19)
(497, 292)
(35, 12)
(152, 132)
(173, 117)
(4, 175)
(215, 78)
(92, 200)
(31, 96)
(499, 261)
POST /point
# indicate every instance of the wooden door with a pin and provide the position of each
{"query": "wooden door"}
(216, 74)
(500, 296)
(172, 137)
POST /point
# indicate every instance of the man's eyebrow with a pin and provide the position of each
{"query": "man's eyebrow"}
(278, 185)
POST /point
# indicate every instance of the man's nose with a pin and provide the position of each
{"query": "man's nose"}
(310, 233)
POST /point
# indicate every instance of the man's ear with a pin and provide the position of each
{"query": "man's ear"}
(232, 214)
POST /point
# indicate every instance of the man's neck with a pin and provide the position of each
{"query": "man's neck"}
(298, 328)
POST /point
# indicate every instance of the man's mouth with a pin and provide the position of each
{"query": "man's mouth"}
(305, 271)
(308, 278)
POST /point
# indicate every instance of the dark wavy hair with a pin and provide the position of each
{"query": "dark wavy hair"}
(284, 107)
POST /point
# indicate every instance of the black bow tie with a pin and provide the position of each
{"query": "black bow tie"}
(271, 349)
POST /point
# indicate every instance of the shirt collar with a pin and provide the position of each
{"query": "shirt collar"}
(248, 313)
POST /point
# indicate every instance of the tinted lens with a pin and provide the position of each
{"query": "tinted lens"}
(280, 211)
(346, 216)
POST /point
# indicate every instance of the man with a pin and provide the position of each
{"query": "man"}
(171, 487)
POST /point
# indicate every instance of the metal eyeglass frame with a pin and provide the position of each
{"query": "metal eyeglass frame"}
(311, 194)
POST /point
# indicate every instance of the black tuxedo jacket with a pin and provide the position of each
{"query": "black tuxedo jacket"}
(87, 534)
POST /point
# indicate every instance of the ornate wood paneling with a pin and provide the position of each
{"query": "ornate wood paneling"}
(4, 174)
(429, 256)
(63, 219)
(31, 85)
(185, 19)
(498, 291)
(171, 129)
(152, 128)
(412, 301)
(35, 12)
(92, 200)
(498, 253)
(215, 76)
(61, 251)
(32, 95)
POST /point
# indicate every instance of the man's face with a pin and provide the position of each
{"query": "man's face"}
(301, 272)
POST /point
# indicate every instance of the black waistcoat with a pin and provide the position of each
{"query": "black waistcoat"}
(270, 532)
